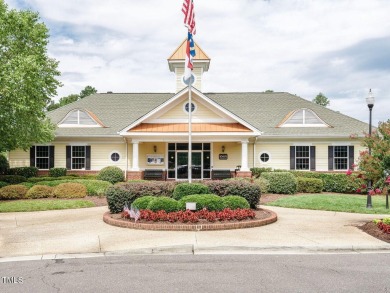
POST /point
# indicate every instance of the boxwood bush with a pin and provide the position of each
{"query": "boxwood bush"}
(163, 204)
(125, 193)
(211, 202)
(256, 172)
(141, 203)
(13, 192)
(281, 182)
(2, 184)
(70, 190)
(235, 202)
(250, 191)
(263, 184)
(40, 191)
(24, 171)
(12, 179)
(111, 174)
(183, 189)
(310, 185)
(57, 172)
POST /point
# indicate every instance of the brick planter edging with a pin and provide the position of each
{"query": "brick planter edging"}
(161, 226)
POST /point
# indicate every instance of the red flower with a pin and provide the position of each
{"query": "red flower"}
(364, 186)
(358, 190)
(349, 172)
(378, 191)
(372, 192)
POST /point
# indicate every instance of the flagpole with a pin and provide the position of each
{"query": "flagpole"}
(189, 131)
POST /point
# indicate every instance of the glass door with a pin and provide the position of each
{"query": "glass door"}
(182, 165)
(196, 165)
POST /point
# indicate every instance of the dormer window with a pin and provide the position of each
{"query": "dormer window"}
(303, 118)
(79, 118)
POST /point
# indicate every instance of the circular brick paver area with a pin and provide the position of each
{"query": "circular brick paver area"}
(114, 220)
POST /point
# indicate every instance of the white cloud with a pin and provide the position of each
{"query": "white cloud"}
(298, 46)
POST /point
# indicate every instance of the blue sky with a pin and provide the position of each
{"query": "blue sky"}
(338, 47)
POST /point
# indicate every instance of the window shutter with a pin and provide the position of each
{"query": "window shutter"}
(32, 156)
(292, 157)
(88, 157)
(312, 158)
(51, 156)
(351, 153)
(68, 157)
(330, 158)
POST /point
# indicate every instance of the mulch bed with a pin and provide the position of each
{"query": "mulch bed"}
(372, 229)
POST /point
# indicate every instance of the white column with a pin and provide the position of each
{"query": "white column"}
(244, 156)
(135, 156)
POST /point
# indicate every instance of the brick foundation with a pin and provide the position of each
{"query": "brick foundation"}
(134, 175)
(244, 174)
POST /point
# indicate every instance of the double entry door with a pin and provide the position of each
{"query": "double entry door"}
(178, 161)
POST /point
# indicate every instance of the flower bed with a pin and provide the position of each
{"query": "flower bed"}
(194, 221)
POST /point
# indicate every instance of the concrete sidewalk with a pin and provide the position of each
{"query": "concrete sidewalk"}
(52, 234)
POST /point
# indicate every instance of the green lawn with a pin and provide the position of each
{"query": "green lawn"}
(334, 202)
(31, 205)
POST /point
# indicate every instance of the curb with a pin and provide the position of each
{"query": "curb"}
(159, 226)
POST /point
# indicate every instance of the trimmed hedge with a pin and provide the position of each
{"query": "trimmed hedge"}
(263, 184)
(183, 189)
(24, 171)
(256, 172)
(281, 182)
(125, 193)
(310, 185)
(12, 179)
(250, 191)
(13, 192)
(141, 203)
(211, 202)
(163, 204)
(70, 190)
(334, 182)
(2, 184)
(57, 172)
(111, 174)
(235, 202)
(40, 191)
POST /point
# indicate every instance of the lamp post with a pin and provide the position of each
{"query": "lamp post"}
(387, 193)
(370, 103)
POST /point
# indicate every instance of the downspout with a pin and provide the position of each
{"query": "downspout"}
(127, 159)
(254, 146)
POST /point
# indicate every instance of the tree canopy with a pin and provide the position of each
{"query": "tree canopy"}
(320, 99)
(87, 91)
(28, 79)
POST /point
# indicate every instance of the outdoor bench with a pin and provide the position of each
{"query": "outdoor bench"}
(221, 174)
(154, 174)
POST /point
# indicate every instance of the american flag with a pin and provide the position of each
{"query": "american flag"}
(134, 213)
(190, 54)
(189, 15)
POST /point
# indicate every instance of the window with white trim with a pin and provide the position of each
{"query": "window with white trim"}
(115, 157)
(42, 157)
(264, 157)
(340, 157)
(78, 118)
(186, 107)
(78, 157)
(304, 118)
(302, 158)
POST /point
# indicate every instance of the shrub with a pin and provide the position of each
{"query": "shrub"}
(141, 203)
(183, 189)
(13, 192)
(262, 183)
(2, 184)
(256, 172)
(251, 192)
(310, 185)
(4, 165)
(57, 172)
(24, 171)
(111, 174)
(211, 202)
(40, 191)
(70, 190)
(235, 202)
(94, 187)
(12, 179)
(281, 182)
(126, 193)
(163, 203)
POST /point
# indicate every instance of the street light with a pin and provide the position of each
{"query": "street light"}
(387, 193)
(370, 103)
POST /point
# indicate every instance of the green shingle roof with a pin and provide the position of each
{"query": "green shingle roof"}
(262, 110)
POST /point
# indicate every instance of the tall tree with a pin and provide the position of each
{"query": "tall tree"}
(320, 99)
(27, 79)
(87, 91)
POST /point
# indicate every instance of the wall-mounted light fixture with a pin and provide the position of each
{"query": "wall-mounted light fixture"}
(155, 148)
(223, 148)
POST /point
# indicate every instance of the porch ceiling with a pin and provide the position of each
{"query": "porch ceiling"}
(196, 127)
